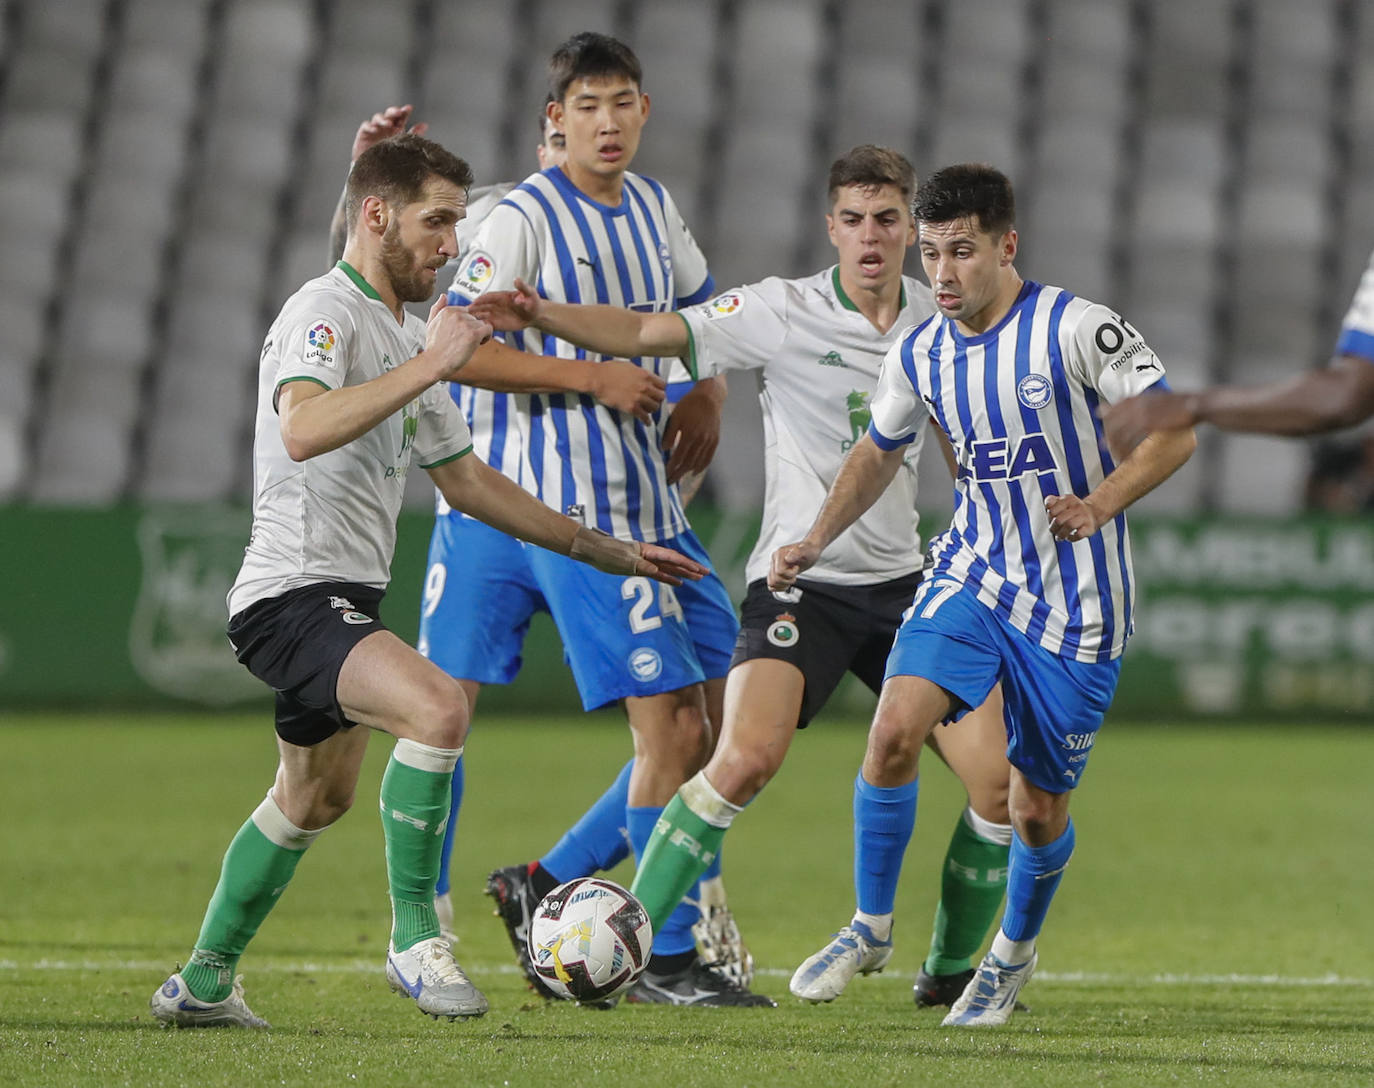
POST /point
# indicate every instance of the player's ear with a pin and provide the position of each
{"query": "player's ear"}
(375, 214)
(1009, 241)
(553, 110)
(644, 105)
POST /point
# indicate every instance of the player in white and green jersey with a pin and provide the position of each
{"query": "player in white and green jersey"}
(818, 342)
(348, 398)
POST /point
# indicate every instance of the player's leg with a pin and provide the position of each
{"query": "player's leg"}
(938, 668)
(387, 685)
(762, 702)
(974, 872)
(297, 644)
(1054, 707)
(479, 597)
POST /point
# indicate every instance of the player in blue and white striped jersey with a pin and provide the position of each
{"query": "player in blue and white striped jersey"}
(1326, 399)
(1031, 584)
(592, 230)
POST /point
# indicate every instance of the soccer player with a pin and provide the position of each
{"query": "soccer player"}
(1336, 396)
(819, 342)
(590, 229)
(1031, 584)
(347, 398)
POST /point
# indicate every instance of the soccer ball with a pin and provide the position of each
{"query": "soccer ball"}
(589, 939)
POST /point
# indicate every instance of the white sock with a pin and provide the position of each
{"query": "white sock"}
(880, 925)
(1012, 953)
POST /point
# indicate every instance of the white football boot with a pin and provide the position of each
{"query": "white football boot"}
(854, 951)
(427, 972)
(174, 1005)
(990, 996)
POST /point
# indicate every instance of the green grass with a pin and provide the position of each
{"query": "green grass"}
(1214, 927)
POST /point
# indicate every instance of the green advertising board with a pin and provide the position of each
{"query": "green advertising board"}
(125, 607)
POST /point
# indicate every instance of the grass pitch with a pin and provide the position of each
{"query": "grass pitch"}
(1214, 927)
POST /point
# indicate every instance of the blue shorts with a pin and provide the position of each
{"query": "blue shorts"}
(634, 636)
(479, 597)
(1054, 705)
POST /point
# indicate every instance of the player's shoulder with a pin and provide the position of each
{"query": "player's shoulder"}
(330, 296)
(648, 187)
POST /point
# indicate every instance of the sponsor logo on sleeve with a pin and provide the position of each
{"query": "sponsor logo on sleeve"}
(475, 275)
(320, 342)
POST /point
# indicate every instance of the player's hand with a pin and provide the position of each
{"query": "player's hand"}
(1071, 518)
(510, 311)
(389, 122)
(628, 387)
(451, 337)
(633, 557)
(693, 430)
(1128, 421)
(789, 562)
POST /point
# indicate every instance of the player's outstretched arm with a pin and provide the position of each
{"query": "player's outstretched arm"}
(314, 420)
(1336, 396)
(864, 475)
(1158, 456)
(475, 488)
(391, 121)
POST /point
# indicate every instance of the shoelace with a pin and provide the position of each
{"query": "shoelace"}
(438, 957)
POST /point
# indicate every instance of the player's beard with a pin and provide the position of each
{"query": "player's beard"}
(409, 283)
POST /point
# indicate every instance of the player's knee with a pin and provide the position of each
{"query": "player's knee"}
(894, 749)
(441, 715)
(740, 774)
(1039, 818)
(333, 801)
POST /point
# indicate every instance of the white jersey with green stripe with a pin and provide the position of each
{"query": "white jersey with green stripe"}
(332, 518)
(818, 359)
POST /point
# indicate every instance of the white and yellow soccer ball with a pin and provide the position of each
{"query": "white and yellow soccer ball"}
(589, 939)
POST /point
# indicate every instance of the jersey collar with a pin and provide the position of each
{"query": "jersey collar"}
(848, 303)
(560, 179)
(358, 281)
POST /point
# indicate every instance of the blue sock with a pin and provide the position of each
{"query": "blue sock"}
(442, 887)
(599, 840)
(675, 935)
(883, 821)
(1032, 882)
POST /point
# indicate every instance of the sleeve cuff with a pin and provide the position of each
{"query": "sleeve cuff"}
(451, 457)
(701, 294)
(1357, 343)
(884, 443)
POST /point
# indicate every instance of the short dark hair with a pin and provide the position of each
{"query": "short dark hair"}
(398, 169)
(870, 166)
(967, 191)
(590, 55)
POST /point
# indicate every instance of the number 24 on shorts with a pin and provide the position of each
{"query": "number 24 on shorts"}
(641, 591)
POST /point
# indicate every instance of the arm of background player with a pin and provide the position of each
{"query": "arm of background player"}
(1158, 456)
(607, 330)
(946, 450)
(477, 489)
(390, 122)
(863, 476)
(616, 383)
(1336, 396)
(693, 430)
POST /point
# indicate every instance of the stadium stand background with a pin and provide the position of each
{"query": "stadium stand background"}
(169, 168)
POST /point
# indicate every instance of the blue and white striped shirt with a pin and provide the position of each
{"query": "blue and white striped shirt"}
(1357, 330)
(580, 457)
(1018, 403)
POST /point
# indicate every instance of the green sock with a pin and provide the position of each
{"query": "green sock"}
(415, 807)
(257, 867)
(975, 876)
(682, 846)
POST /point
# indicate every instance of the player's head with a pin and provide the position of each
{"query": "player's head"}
(869, 219)
(597, 101)
(404, 198)
(966, 230)
(553, 145)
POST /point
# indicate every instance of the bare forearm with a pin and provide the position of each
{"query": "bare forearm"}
(480, 491)
(1154, 460)
(504, 369)
(863, 477)
(1329, 399)
(614, 330)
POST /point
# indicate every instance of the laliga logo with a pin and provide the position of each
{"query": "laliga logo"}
(321, 337)
(724, 305)
(479, 269)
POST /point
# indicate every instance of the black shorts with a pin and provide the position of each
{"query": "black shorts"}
(829, 631)
(296, 645)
